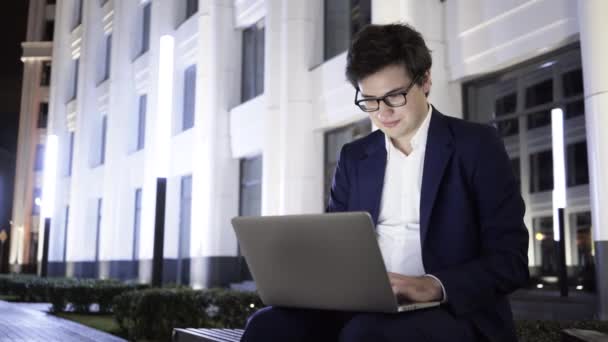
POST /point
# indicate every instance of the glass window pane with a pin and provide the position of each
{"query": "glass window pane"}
(574, 109)
(541, 171)
(189, 97)
(544, 245)
(141, 122)
(539, 119)
(251, 187)
(577, 171)
(583, 251)
(145, 30)
(505, 105)
(539, 93)
(572, 82)
(39, 161)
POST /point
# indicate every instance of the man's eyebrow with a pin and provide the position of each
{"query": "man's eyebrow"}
(389, 92)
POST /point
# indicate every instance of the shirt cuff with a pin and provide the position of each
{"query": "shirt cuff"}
(445, 296)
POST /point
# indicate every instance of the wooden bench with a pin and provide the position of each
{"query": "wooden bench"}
(207, 335)
(234, 335)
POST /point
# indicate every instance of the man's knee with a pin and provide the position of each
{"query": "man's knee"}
(379, 327)
(281, 324)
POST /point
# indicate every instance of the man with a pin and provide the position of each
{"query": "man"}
(447, 209)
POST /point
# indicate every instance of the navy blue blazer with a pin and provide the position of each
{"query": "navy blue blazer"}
(471, 215)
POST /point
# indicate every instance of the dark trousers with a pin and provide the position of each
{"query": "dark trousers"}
(282, 324)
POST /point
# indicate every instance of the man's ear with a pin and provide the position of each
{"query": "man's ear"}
(428, 82)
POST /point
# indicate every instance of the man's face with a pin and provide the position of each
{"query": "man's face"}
(396, 122)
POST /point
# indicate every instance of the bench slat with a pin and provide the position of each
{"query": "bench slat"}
(207, 335)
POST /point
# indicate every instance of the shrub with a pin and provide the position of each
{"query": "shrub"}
(152, 314)
(80, 293)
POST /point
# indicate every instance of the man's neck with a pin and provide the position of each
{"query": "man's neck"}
(404, 143)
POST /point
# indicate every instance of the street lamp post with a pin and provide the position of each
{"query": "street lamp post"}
(163, 139)
(48, 199)
(559, 196)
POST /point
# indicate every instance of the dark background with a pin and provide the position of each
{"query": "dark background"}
(13, 25)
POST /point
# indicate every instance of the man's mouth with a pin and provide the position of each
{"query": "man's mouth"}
(390, 124)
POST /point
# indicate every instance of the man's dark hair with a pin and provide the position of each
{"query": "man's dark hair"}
(378, 46)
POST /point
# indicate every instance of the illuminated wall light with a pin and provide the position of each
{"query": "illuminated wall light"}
(539, 286)
(579, 287)
(50, 174)
(539, 236)
(559, 167)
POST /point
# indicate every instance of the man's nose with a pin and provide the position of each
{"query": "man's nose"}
(384, 111)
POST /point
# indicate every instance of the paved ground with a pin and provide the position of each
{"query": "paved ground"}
(28, 322)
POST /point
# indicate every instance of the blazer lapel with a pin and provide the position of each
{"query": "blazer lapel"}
(438, 153)
(371, 169)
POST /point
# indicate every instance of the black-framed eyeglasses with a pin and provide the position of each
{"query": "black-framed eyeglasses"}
(393, 99)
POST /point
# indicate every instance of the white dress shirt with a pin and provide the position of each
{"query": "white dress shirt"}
(398, 228)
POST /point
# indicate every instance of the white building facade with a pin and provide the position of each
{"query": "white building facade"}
(260, 106)
(33, 122)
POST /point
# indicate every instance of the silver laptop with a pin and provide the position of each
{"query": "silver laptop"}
(322, 261)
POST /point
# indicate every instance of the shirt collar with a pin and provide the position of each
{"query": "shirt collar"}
(420, 137)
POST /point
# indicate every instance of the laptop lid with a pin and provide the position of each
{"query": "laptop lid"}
(321, 261)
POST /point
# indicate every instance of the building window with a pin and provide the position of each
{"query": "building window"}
(74, 85)
(70, 154)
(98, 227)
(104, 131)
(43, 115)
(65, 232)
(39, 161)
(518, 102)
(577, 172)
(136, 223)
(185, 216)
(145, 29)
(99, 142)
(189, 97)
(544, 246)
(541, 171)
(250, 199)
(45, 76)
(107, 61)
(252, 83)
(77, 14)
(191, 8)
(342, 20)
(49, 30)
(581, 243)
(37, 201)
(334, 140)
(141, 122)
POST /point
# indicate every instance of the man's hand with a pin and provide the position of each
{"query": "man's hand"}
(415, 289)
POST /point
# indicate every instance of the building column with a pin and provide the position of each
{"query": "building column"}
(293, 155)
(428, 17)
(300, 146)
(270, 154)
(215, 173)
(594, 51)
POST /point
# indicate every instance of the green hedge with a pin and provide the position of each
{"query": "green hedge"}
(79, 293)
(153, 313)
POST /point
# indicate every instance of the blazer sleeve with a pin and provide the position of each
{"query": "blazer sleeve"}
(340, 187)
(502, 265)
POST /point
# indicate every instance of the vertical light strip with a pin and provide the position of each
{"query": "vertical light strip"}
(164, 105)
(559, 166)
(50, 175)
